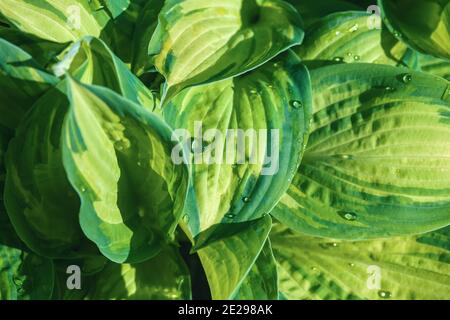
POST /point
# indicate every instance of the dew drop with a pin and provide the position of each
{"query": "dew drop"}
(349, 54)
(83, 189)
(314, 269)
(186, 218)
(338, 33)
(384, 294)
(253, 91)
(389, 89)
(338, 59)
(246, 199)
(296, 104)
(351, 264)
(407, 78)
(139, 164)
(357, 58)
(397, 34)
(230, 216)
(354, 28)
(348, 215)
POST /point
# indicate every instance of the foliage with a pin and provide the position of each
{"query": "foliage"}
(353, 107)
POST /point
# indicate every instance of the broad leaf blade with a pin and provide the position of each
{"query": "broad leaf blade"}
(377, 160)
(117, 157)
(22, 81)
(91, 61)
(164, 277)
(199, 41)
(349, 37)
(228, 261)
(54, 20)
(233, 182)
(261, 282)
(422, 24)
(406, 268)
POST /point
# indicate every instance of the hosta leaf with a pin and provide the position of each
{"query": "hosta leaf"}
(91, 61)
(55, 20)
(228, 261)
(422, 24)
(118, 158)
(164, 277)
(38, 193)
(24, 276)
(42, 51)
(350, 37)
(312, 10)
(377, 161)
(232, 182)
(261, 282)
(199, 41)
(22, 81)
(435, 66)
(41, 204)
(415, 267)
(144, 29)
(119, 31)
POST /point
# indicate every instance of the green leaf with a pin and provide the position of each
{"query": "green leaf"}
(313, 10)
(200, 41)
(22, 81)
(145, 27)
(233, 182)
(422, 24)
(436, 66)
(228, 261)
(377, 160)
(24, 276)
(406, 268)
(92, 62)
(55, 20)
(350, 37)
(164, 277)
(42, 205)
(42, 51)
(118, 158)
(261, 282)
(37, 190)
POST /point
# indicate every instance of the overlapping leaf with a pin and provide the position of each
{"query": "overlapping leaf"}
(24, 276)
(228, 261)
(200, 41)
(406, 268)
(91, 61)
(118, 158)
(164, 277)
(422, 24)
(261, 282)
(22, 81)
(235, 182)
(38, 193)
(377, 162)
(55, 20)
(350, 37)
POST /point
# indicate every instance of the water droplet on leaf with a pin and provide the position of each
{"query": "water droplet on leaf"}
(338, 59)
(348, 215)
(246, 199)
(356, 58)
(407, 78)
(354, 28)
(384, 294)
(296, 104)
